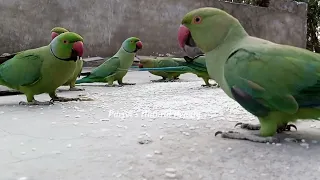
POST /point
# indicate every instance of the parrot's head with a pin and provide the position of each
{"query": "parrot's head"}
(146, 63)
(67, 46)
(205, 28)
(132, 45)
(57, 31)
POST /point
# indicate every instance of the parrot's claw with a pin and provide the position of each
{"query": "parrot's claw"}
(248, 126)
(249, 137)
(76, 89)
(287, 128)
(35, 102)
(64, 99)
(216, 85)
(258, 126)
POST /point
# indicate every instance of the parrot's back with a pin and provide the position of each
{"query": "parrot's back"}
(35, 71)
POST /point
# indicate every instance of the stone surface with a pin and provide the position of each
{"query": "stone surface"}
(104, 24)
(99, 140)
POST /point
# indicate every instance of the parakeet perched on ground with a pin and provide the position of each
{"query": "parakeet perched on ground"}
(161, 62)
(116, 67)
(169, 67)
(44, 69)
(71, 82)
(276, 83)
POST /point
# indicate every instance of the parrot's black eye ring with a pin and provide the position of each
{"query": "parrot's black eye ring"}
(65, 41)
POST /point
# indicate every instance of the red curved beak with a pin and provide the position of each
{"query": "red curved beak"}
(183, 35)
(78, 47)
(53, 35)
(139, 45)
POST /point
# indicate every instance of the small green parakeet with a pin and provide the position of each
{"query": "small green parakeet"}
(44, 69)
(161, 62)
(169, 67)
(71, 82)
(276, 83)
(116, 67)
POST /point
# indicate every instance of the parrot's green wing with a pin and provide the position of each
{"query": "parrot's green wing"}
(23, 69)
(273, 79)
(108, 68)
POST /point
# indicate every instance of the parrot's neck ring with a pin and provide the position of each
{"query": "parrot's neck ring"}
(66, 59)
(128, 51)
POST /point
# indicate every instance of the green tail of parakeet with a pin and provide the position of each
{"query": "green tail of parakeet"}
(71, 82)
(44, 69)
(116, 67)
(276, 83)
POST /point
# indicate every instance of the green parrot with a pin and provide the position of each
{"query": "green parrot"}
(276, 83)
(169, 66)
(116, 67)
(161, 62)
(44, 69)
(71, 82)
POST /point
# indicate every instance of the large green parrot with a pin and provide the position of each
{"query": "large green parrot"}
(44, 69)
(116, 67)
(276, 83)
(172, 68)
(71, 82)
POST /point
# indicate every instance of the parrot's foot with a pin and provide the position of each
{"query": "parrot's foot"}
(35, 102)
(257, 127)
(287, 127)
(210, 85)
(124, 84)
(172, 80)
(76, 89)
(64, 99)
(248, 126)
(248, 137)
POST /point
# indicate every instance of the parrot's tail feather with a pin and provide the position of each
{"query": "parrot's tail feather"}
(10, 93)
(83, 80)
(85, 74)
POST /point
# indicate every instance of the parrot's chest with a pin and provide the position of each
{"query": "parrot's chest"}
(56, 74)
(215, 68)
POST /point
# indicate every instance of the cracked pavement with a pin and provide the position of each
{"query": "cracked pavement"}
(149, 131)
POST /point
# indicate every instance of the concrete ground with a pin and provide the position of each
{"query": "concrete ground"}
(175, 122)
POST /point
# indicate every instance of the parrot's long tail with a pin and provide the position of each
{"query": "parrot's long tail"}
(85, 80)
(10, 92)
(85, 74)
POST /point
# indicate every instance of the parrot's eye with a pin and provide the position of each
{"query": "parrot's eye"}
(65, 42)
(131, 41)
(197, 20)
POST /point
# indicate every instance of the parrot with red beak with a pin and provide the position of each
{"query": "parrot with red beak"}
(44, 69)
(77, 71)
(116, 67)
(276, 83)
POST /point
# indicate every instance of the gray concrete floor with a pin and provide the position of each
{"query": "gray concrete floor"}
(99, 140)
